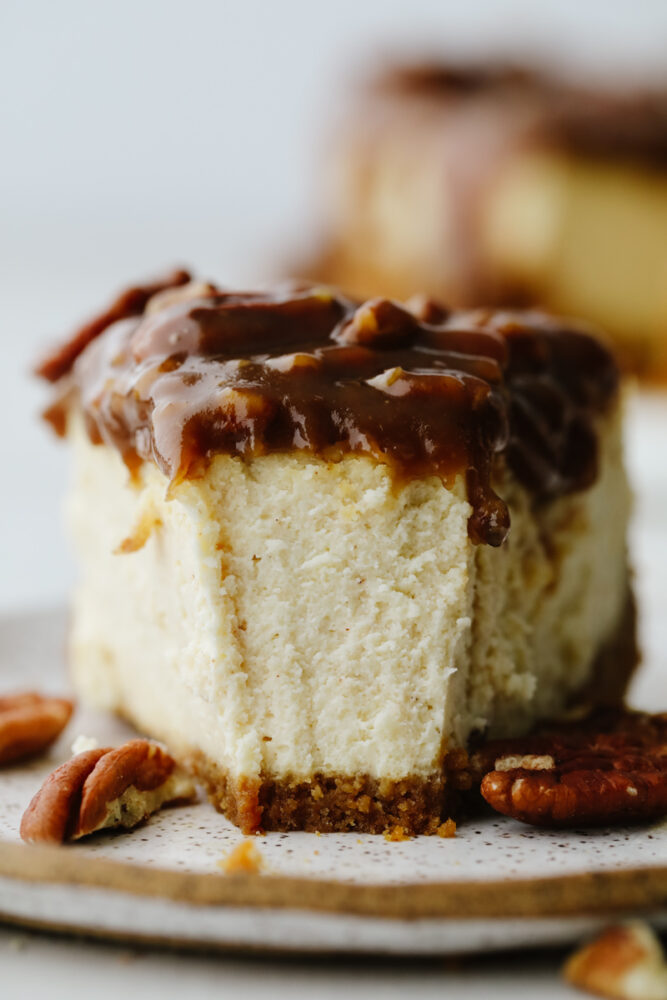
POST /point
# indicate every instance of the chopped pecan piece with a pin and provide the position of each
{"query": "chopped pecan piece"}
(610, 768)
(379, 323)
(625, 963)
(104, 788)
(29, 724)
(131, 302)
(529, 762)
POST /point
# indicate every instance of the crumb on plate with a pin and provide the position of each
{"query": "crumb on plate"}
(244, 858)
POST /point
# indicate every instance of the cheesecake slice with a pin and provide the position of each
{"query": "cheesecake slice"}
(323, 545)
(501, 186)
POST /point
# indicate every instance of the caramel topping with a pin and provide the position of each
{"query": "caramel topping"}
(130, 302)
(429, 392)
(607, 122)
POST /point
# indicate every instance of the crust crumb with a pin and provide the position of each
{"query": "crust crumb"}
(397, 834)
(446, 829)
(245, 858)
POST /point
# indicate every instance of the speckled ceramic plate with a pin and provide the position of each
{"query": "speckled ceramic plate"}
(498, 884)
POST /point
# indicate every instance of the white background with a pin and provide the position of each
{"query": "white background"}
(141, 133)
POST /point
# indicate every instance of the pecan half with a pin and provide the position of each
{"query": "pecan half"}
(54, 809)
(29, 723)
(104, 788)
(625, 963)
(609, 768)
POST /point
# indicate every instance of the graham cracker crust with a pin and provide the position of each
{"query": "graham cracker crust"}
(337, 802)
(324, 803)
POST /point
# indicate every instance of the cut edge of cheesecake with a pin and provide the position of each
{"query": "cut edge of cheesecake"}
(325, 546)
(216, 621)
(327, 803)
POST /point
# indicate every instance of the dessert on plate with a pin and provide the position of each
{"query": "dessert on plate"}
(497, 186)
(323, 544)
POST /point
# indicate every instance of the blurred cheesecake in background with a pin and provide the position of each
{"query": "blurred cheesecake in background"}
(499, 186)
(322, 544)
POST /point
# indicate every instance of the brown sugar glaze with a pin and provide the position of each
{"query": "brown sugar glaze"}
(203, 371)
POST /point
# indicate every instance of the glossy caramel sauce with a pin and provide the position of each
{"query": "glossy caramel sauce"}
(201, 371)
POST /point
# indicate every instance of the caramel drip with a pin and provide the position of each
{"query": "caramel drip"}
(427, 391)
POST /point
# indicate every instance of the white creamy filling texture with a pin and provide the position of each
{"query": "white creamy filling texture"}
(288, 616)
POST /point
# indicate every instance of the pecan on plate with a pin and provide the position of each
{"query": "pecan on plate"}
(29, 724)
(625, 962)
(609, 768)
(104, 788)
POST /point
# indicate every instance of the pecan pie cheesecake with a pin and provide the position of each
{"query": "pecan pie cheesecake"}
(324, 544)
(482, 185)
